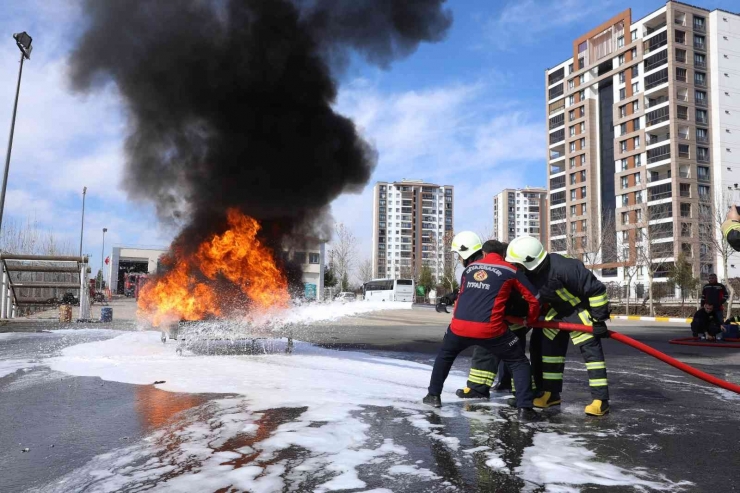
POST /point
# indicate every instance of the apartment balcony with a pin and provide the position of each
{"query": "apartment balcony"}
(703, 177)
(557, 106)
(556, 91)
(557, 136)
(657, 98)
(659, 154)
(656, 117)
(681, 77)
(702, 139)
(698, 64)
(681, 58)
(702, 103)
(654, 139)
(557, 152)
(556, 168)
(653, 29)
(702, 158)
(654, 177)
(703, 120)
(655, 83)
(700, 46)
(700, 28)
(655, 61)
(656, 42)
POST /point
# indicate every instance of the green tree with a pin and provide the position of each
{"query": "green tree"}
(426, 279)
(345, 282)
(330, 279)
(682, 275)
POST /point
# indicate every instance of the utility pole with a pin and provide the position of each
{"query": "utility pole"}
(102, 260)
(23, 40)
(82, 225)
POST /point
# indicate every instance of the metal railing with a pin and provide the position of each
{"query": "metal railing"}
(681, 78)
(703, 158)
(701, 119)
(700, 46)
(659, 157)
(653, 177)
(655, 121)
(704, 138)
(657, 101)
(700, 82)
(654, 139)
(651, 30)
(681, 58)
(698, 64)
(704, 177)
(656, 83)
(700, 28)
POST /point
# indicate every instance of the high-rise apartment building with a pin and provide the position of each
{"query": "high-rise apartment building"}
(520, 211)
(412, 222)
(644, 141)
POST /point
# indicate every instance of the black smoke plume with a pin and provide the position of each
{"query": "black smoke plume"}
(229, 102)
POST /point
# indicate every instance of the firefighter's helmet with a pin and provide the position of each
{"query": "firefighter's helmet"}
(527, 251)
(466, 244)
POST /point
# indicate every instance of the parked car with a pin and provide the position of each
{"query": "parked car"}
(346, 296)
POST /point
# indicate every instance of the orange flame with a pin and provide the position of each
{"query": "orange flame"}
(185, 293)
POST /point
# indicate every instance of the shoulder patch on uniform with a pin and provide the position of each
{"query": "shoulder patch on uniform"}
(480, 275)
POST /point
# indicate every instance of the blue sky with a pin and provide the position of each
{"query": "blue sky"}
(468, 112)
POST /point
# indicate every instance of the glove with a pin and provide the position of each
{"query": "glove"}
(441, 307)
(445, 300)
(600, 330)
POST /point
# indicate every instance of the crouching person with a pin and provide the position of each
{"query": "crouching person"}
(706, 324)
(478, 319)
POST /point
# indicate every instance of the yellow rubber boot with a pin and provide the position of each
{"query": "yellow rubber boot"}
(597, 408)
(547, 399)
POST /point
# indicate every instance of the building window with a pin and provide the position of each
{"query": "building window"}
(572, 195)
(583, 142)
(571, 83)
(700, 97)
(625, 218)
(636, 142)
(583, 209)
(624, 164)
(583, 159)
(638, 160)
(635, 106)
(633, 53)
(583, 192)
(622, 93)
(620, 41)
(582, 111)
(572, 210)
(620, 60)
(621, 77)
(633, 35)
(572, 130)
(581, 79)
(582, 127)
(572, 178)
(622, 128)
(571, 100)
(570, 68)
(572, 162)
(582, 95)
(573, 146)
(623, 146)
(700, 78)
(635, 70)
(623, 111)
(685, 210)
(635, 124)
(572, 115)
(635, 87)
(314, 258)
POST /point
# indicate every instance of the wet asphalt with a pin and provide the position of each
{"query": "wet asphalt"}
(661, 420)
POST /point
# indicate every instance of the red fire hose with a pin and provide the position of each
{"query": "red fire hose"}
(637, 345)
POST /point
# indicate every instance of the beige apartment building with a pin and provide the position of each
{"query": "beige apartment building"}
(520, 211)
(412, 220)
(644, 141)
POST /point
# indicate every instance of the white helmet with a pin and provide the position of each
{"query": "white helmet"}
(466, 244)
(527, 251)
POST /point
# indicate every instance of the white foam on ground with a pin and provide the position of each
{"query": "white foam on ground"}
(10, 366)
(561, 461)
(322, 448)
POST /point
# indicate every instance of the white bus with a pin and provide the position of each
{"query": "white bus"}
(389, 290)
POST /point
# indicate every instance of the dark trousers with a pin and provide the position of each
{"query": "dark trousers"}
(486, 369)
(505, 347)
(554, 349)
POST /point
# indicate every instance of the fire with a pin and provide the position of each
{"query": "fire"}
(188, 290)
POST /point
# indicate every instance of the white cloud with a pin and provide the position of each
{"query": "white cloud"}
(453, 135)
(521, 22)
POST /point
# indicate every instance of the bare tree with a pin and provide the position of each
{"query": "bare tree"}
(451, 262)
(630, 267)
(365, 271)
(599, 244)
(712, 243)
(343, 252)
(650, 253)
(29, 238)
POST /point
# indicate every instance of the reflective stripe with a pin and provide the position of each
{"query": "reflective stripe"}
(482, 373)
(596, 365)
(553, 359)
(600, 300)
(550, 333)
(480, 380)
(585, 318)
(516, 326)
(552, 376)
(567, 296)
(598, 382)
(580, 338)
(551, 314)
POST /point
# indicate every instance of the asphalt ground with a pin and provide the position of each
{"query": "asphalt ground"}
(662, 420)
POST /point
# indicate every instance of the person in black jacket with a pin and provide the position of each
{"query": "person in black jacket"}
(714, 293)
(706, 324)
(570, 293)
(731, 228)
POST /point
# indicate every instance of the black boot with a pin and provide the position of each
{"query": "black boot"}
(432, 400)
(527, 414)
(468, 393)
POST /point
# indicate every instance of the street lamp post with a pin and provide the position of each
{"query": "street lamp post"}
(82, 224)
(102, 259)
(23, 40)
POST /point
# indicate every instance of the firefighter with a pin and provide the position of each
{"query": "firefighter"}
(477, 320)
(485, 367)
(571, 293)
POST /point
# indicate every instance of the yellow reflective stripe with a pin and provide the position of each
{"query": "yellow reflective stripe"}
(730, 225)
(580, 338)
(516, 326)
(596, 365)
(551, 314)
(480, 380)
(599, 300)
(552, 376)
(585, 318)
(553, 359)
(550, 333)
(567, 296)
(598, 382)
(481, 373)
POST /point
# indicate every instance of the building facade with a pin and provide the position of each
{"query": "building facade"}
(520, 211)
(643, 141)
(412, 222)
(130, 259)
(311, 256)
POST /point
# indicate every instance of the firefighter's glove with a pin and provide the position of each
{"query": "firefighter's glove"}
(441, 307)
(445, 300)
(600, 329)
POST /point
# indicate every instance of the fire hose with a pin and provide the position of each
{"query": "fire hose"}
(637, 345)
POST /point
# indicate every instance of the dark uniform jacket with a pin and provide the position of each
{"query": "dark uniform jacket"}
(731, 230)
(568, 287)
(705, 322)
(485, 288)
(716, 294)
